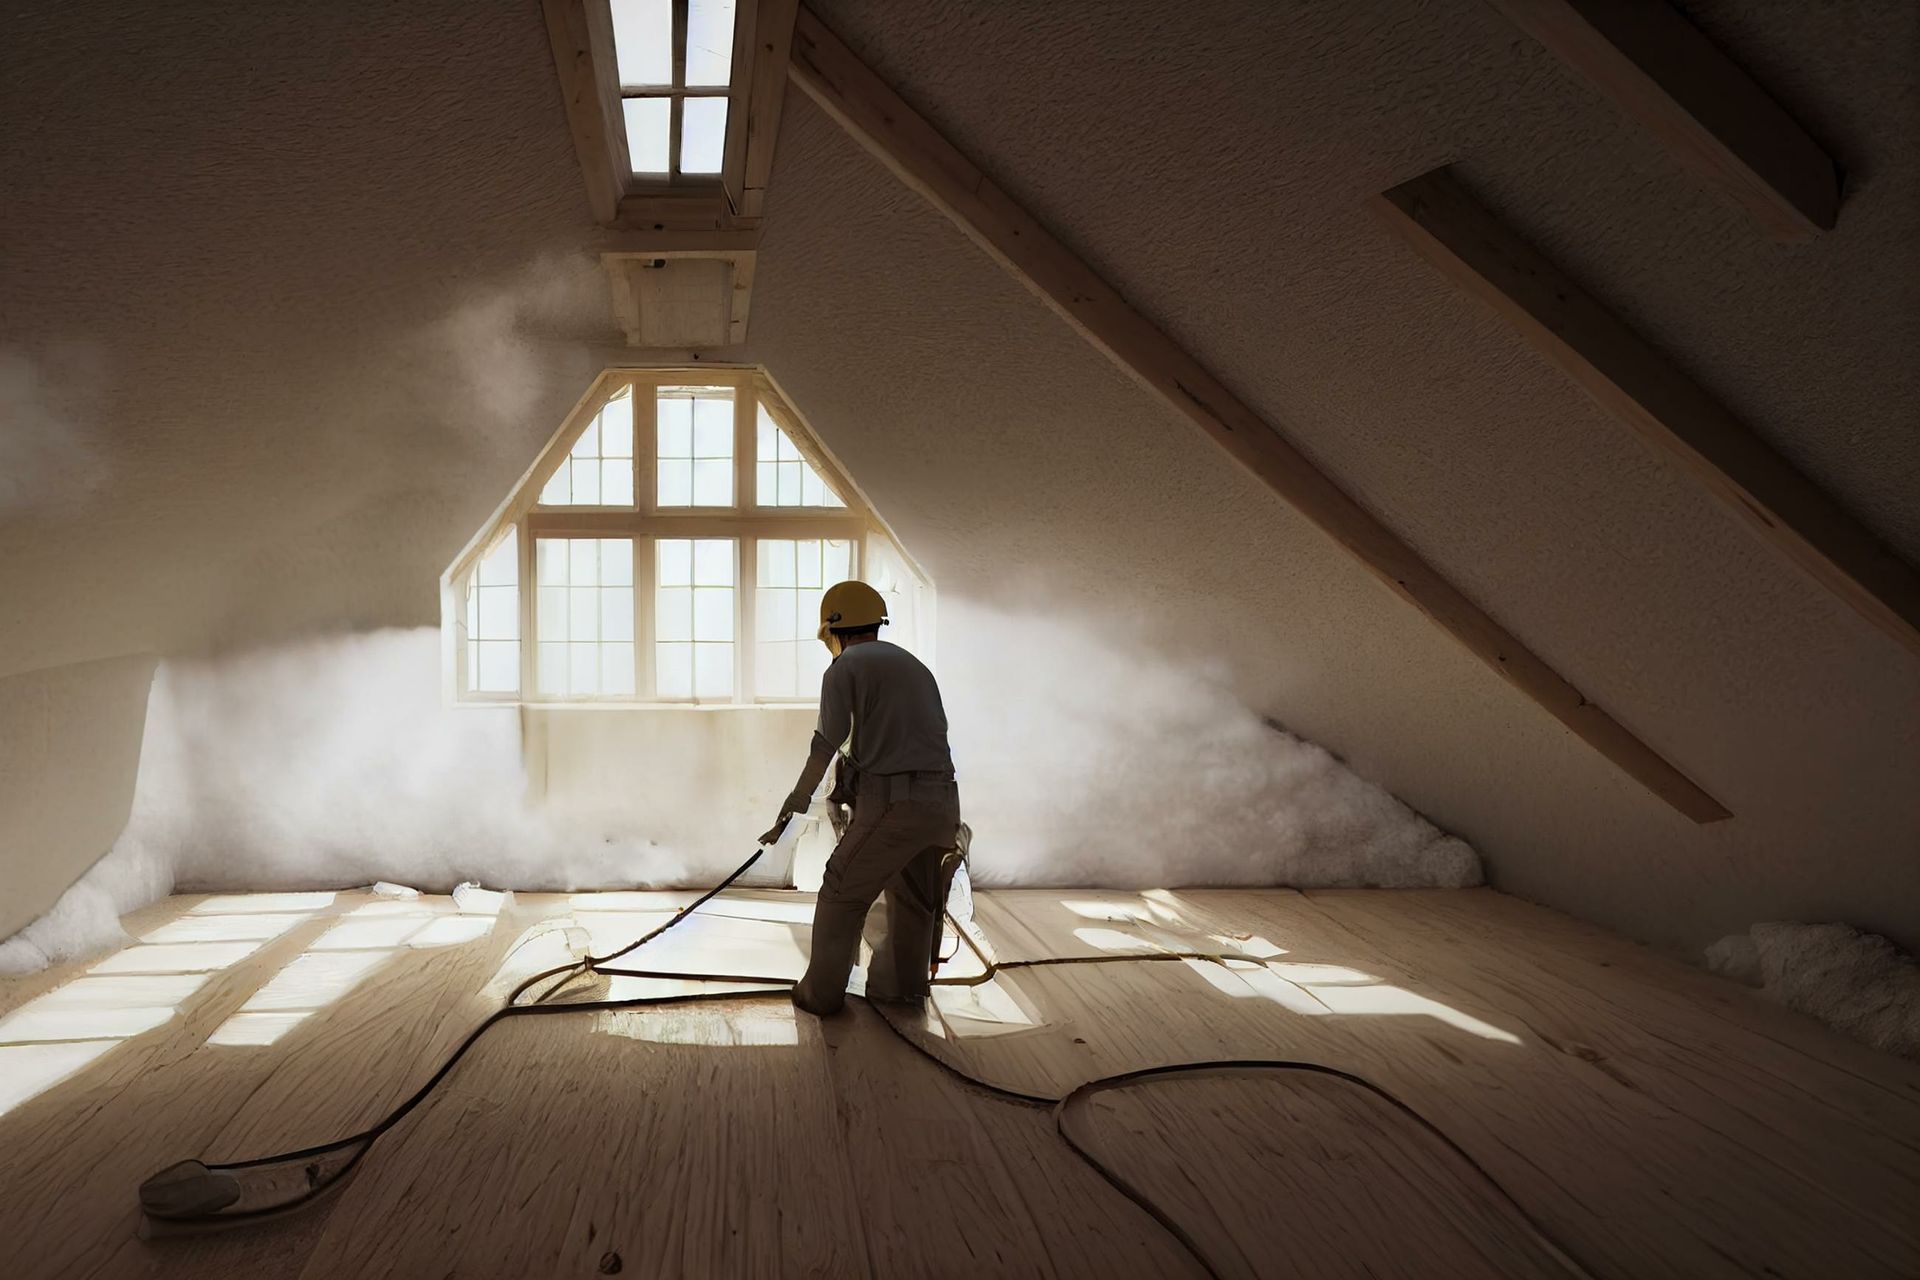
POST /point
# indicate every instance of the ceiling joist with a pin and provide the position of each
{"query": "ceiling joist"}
(854, 96)
(1654, 65)
(1642, 388)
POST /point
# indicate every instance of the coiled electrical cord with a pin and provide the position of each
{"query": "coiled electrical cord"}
(191, 1196)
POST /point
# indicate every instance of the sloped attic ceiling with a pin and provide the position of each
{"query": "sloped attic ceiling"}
(345, 318)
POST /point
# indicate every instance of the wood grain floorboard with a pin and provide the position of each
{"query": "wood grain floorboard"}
(1656, 1120)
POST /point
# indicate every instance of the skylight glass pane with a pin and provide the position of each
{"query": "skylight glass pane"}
(555, 492)
(649, 124)
(703, 135)
(643, 42)
(709, 42)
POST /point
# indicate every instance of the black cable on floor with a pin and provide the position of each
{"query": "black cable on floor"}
(1063, 1107)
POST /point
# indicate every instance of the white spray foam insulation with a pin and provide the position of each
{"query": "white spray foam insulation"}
(1857, 983)
(1085, 761)
(335, 763)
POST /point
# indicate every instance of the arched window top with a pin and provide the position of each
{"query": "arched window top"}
(669, 546)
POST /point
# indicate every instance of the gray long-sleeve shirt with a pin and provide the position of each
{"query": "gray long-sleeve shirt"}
(891, 703)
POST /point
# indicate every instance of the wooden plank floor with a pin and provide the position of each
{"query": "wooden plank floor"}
(1582, 1095)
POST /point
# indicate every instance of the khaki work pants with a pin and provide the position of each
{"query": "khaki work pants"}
(901, 826)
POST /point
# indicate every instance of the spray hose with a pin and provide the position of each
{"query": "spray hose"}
(191, 1197)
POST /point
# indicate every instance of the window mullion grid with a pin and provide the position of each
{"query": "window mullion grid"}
(646, 451)
(679, 89)
(641, 548)
(744, 420)
(746, 643)
(529, 650)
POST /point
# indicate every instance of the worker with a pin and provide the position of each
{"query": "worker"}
(906, 806)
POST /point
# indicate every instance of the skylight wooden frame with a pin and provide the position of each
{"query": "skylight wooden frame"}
(745, 523)
(581, 35)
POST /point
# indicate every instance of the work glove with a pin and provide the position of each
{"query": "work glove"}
(798, 802)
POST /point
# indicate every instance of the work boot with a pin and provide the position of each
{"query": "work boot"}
(805, 1000)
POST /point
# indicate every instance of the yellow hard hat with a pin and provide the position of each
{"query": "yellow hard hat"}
(850, 606)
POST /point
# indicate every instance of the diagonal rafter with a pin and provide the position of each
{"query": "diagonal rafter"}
(855, 97)
(1655, 66)
(1636, 384)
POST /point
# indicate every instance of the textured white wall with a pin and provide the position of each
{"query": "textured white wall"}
(69, 749)
(292, 297)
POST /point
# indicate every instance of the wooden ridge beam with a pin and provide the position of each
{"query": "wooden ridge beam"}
(1654, 65)
(853, 95)
(1642, 388)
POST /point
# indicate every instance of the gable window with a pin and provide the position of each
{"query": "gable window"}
(675, 62)
(693, 464)
(782, 476)
(599, 470)
(673, 542)
(493, 620)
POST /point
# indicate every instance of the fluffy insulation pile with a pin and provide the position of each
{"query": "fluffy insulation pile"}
(334, 763)
(1856, 982)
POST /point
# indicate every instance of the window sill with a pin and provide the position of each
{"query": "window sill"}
(682, 707)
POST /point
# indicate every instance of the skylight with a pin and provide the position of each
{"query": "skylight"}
(675, 59)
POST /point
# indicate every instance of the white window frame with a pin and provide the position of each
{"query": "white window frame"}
(744, 523)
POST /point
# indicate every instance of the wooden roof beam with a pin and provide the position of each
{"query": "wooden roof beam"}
(852, 94)
(582, 37)
(763, 32)
(1642, 388)
(1654, 65)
